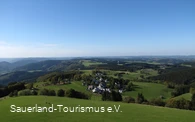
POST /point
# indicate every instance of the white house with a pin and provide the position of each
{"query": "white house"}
(96, 90)
(120, 91)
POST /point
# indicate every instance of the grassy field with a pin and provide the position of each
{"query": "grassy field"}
(88, 63)
(130, 112)
(87, 72)
(127, 75)
(149, 90)
(186, 65)
(149, 62)
(186, 96)
(76, 85)
(110, 73)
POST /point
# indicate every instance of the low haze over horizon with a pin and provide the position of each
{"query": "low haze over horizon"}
(74, 28)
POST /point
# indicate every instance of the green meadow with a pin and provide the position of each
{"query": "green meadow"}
(187, 96)
(149, 90)
(77, 85)
(88, 63)
(127, 112)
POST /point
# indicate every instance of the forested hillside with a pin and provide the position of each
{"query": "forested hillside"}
(20, 76)
(51, 65)
(185, 76)
(6, 67)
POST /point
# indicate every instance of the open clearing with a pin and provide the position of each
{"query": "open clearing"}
(88, 63)
(186, 96)
(76, 85)
(149, 90)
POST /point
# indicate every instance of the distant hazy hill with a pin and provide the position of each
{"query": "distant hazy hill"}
(12, 60)
(13, 64)
(30, 70)
(6, 67)
(51, 65)
(19, 76)
(22, 63)
(42, 65)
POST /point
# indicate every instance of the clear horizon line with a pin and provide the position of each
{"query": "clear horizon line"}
(96, 56)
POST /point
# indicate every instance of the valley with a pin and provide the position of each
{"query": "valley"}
(140, 86)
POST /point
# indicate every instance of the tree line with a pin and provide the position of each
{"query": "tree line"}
(48, 92)
(171, 103)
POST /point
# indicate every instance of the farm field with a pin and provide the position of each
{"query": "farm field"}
(127, 75)
(74, 85)
(149, 90)
(77, 85)
(130, 112)
(88, 63)
(149, 62)
(187, 96)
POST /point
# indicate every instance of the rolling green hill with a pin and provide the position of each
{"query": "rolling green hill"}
(127, 112)
(149, 90)
(88, 63)
(77, 85)
(187, 96)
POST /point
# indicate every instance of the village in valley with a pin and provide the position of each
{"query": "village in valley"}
(99, 84)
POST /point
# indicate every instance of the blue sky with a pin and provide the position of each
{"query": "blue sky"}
(66, 28)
